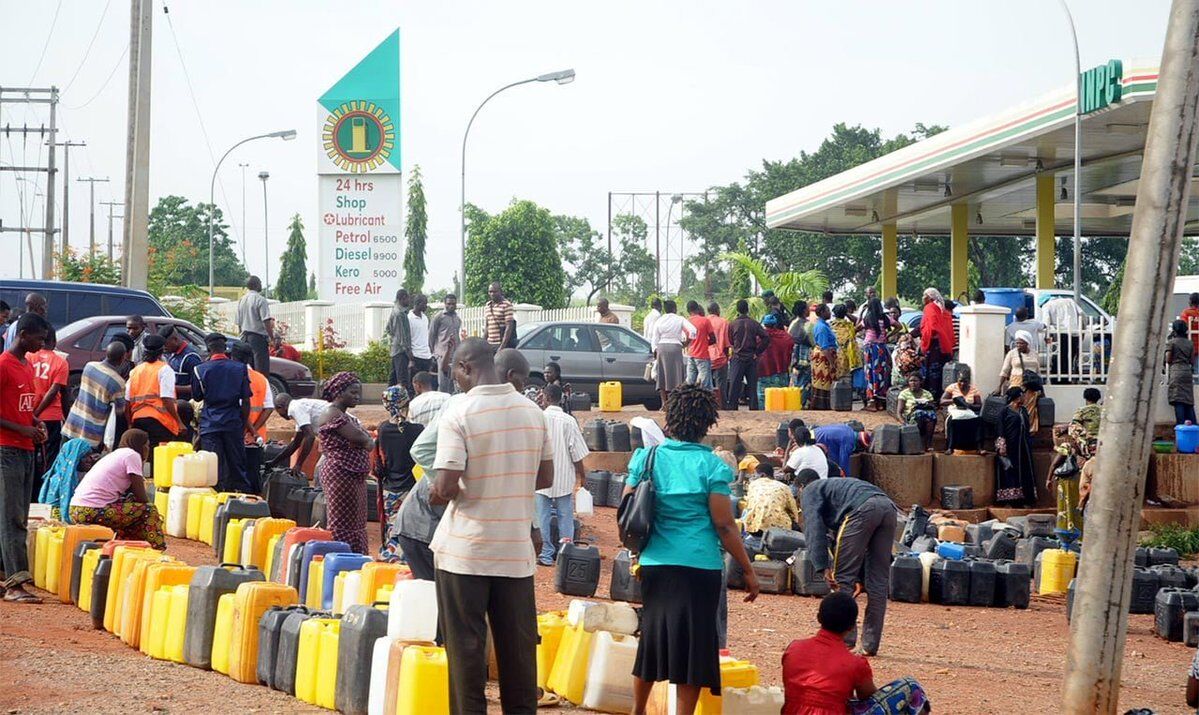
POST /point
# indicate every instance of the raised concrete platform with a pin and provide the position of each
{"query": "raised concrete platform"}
(1174, 479)
(965, 470)
(907, 479)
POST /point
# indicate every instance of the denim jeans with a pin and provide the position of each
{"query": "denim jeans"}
(16, 481)
(564, 508)
(699, 372)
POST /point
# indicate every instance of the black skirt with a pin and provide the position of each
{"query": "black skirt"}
(679, 642)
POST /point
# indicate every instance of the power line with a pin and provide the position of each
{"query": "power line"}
(199, 117)
(46, 44)
(88, 51)
(104, 86)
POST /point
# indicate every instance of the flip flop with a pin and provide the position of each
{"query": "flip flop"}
(548, 700)
(20, 596)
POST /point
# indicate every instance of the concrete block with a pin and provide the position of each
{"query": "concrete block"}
(1174, 478)
(1040, 462)
(970, 516)
(1005, 513)
(727, 440)
(1188, 517)
(966, 470)
(757, 442)
(907, 479)
(855, 465)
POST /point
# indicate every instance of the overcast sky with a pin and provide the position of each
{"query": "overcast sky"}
(670, 96)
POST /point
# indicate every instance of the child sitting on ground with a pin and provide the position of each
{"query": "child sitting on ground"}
(822, 677)
(820, 674)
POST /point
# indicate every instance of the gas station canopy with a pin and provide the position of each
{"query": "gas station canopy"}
(993, 167)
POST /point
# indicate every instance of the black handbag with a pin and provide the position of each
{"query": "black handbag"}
(635, 516)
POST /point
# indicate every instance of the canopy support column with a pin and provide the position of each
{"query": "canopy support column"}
(1046, 250)
(958, 253)
(889, 287)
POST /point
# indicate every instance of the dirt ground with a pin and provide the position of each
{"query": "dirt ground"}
(970, 660)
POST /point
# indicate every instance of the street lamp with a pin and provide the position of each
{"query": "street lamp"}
(285, 135)
(243, 168)
(266, 235)
(561, 77)
(1077, 159)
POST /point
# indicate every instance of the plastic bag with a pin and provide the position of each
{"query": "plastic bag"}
(584, 503)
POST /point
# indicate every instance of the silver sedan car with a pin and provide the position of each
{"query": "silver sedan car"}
(588, 354)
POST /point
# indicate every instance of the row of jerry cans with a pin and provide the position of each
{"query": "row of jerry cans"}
(585, 654)
(927, 577)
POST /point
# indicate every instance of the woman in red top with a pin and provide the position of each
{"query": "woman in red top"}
(774, 365)
(936, 338)
(820, 675)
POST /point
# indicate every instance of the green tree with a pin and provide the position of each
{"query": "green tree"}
(634, 268)
(789, 286)
(180, 230)
(291, 284)
(584, 252)
(311, 286)
(416, 232)
(519, 249)
(734, 215)
(88, 268)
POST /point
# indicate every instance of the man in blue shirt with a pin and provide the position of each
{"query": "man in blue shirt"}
(183, 359)
(224, 386)
(841, 440)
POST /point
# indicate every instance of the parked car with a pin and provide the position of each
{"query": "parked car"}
(85, 340)
(588, 354)
(68, 302)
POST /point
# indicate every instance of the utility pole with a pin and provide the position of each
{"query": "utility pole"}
(243, 214)
(266, 236)
(91, 242)
(37, 95)
(1100, 623)
(66, 192)
(137, 153)
(110, 204)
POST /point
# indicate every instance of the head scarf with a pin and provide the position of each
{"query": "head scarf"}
(135, 439)
(771, 321)
(935, 296)
(338, 384)
(1025, 336)
(395, 399)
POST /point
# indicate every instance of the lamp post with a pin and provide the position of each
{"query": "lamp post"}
(561, 77)
(266, 235)
(243, 211)
(286, 135)
(1077, 158)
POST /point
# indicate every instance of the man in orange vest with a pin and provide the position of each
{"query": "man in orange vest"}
(150, 395)
(262, 403)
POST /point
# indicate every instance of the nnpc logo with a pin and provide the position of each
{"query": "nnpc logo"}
(358, 136)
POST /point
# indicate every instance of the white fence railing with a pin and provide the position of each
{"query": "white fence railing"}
(358, 324)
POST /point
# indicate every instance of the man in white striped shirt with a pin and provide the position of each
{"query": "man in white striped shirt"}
(428, 402)
(569, 451)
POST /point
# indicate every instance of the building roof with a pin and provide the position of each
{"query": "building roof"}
(992, 165)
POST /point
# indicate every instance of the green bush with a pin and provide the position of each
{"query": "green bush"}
(1184, 541)
(372, 365)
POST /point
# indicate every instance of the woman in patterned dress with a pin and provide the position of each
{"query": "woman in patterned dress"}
(801, 332)
(345, 446)
(849, 357)
(876, 324)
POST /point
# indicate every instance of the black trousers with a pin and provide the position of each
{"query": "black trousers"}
(16, 469)
(421, 365)
(465, 604)
(419, 557)
(742, 371)
(399, 370)
(260, 344)
(231, 460)
(157, 432)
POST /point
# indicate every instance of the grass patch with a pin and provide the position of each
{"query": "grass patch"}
(1184, 541)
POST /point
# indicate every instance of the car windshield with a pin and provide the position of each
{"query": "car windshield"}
(523, 330)
(78, 325)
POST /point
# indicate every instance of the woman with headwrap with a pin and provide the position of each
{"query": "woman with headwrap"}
(1065, 472)
(393, 465)
(801, 360)
(113, 493)
(1015, 483)
(936, 338)
(345, 448)
(774, 364)
(1022, 368)
(59, 483)
(823, 359)
(1180, 387)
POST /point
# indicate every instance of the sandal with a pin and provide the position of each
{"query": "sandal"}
(20, 595)
(548, 699)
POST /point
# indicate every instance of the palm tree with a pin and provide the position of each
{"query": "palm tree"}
(789, 286)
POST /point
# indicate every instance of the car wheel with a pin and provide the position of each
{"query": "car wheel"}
(278, 386)
(653, 404)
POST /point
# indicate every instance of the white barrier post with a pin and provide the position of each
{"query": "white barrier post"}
(314, 321)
